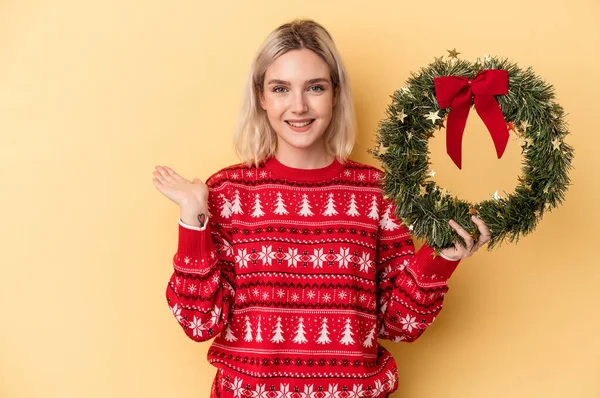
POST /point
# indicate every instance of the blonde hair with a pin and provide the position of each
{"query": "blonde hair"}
(255, 139)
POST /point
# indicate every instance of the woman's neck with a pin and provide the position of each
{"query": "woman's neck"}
(309, 159)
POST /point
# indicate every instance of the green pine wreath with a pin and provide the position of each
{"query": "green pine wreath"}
(413, 117)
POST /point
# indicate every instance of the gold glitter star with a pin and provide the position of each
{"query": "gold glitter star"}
(496, 196)
(453, 53)
(556, 143)
(401, 116)
(433, 116)
(528, 141)
(422, 190)
(524, 125)
(438, 59)
(409, 135)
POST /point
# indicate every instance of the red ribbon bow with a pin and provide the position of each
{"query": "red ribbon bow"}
(457, 92)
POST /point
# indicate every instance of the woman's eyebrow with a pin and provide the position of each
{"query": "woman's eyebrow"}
(311, 81)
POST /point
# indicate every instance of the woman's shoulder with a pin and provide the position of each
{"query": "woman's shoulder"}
(238, 173)
(362, 172)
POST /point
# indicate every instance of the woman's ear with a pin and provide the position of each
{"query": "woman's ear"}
(336, 95)
(261, 97)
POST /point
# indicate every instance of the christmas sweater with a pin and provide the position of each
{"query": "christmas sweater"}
(297, 274)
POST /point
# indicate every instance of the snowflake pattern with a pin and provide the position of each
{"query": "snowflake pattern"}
(409, 323)
(381, 388)
(324, 215)
(197, 327)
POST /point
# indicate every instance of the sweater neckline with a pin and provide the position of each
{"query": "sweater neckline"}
(296, 174)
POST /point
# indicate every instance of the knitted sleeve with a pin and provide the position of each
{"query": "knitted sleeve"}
(201, 289)
(411, 286)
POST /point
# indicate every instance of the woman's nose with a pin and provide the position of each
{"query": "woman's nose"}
(299, 104)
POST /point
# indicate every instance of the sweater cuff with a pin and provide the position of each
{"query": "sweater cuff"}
(188, 226)
(195, 248)
(432, 270)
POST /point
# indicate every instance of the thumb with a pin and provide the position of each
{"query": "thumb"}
(195, 180)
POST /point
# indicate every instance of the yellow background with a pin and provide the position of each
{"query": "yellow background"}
(94, 94)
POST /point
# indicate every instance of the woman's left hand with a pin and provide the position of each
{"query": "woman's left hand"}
(458, 251)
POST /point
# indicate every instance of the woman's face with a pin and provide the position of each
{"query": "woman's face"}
(298, 97)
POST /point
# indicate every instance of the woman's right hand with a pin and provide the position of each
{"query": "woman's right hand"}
(187, 194)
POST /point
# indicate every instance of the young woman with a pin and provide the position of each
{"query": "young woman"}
(293, 260)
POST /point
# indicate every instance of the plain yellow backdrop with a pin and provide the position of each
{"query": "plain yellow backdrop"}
(93, 95)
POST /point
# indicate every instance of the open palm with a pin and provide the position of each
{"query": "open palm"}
(180, 190)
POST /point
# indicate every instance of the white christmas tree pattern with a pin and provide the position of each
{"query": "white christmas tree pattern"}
(259, 338)
(330, 208)
(278, 332)
(352, 209)
(347, 335)
(257, 207)
(236, 207)
(386, 221)
(374, 211)
(225, 207)
(369, 340)
(279, 205)
(248, 337)
(324, 336)
(229, 334)
(305, 207)
(300, 334)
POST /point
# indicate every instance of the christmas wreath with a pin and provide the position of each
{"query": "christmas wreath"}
(507, 98)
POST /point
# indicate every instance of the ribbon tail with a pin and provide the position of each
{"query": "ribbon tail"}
(489, 111)
(457, 119)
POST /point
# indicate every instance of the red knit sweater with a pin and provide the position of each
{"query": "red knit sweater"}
(297, 274)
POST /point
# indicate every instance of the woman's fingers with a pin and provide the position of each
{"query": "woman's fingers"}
(166, 174)
(484, 232)
(172, 173)
(463, 234)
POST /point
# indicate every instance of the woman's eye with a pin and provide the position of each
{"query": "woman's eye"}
(279, 89)
(317, 88)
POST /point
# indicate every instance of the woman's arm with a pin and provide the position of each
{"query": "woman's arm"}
(411, 286)
(201, 289)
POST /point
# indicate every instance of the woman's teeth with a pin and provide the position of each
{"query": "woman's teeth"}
(300, 124)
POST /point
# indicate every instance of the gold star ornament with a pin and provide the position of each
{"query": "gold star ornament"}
(433, 116)
(401, 116)
(556, 144)
(453, 53)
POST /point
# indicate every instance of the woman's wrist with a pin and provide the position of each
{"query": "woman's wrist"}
(194, 215)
